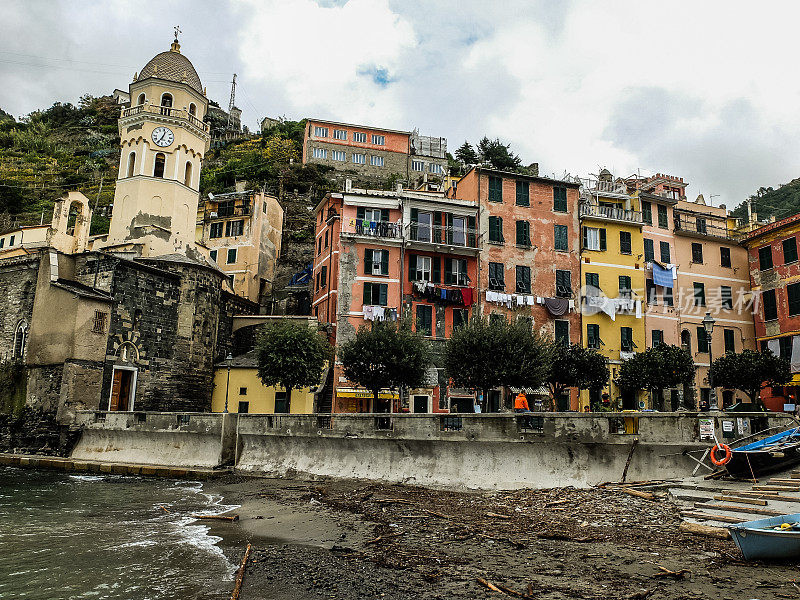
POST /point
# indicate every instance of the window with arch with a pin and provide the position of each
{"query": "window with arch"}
(187, 177)
(166, 100)
(141, 100)
(192, 109)
(686, 340)
(131, 164)
(20, 339)
(160, 163)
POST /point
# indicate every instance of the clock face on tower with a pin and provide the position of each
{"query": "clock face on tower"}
(163, 136)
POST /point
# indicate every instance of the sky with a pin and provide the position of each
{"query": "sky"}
(701, 90)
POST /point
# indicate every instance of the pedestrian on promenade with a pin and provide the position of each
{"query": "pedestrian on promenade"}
(521, 404)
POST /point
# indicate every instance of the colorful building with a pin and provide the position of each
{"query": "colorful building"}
(529, 259)
(400, 256)
(775, 279)
(613, 280)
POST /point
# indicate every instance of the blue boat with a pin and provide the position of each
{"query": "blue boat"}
(774, 453)
(763, 538)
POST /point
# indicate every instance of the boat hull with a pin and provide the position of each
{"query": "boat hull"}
(746, 463)
(757, 541)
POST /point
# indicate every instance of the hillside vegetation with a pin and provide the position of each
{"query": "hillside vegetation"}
(767, 202)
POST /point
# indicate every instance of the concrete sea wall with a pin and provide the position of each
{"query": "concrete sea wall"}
(490, 451)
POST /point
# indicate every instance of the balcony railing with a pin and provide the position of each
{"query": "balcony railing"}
(376, 229)
(224, 212)
(610, 213)
(166, 111)
(701, 226)
(439, 234)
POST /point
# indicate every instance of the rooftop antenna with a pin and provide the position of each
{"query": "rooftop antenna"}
(230, 104)
(711, 198)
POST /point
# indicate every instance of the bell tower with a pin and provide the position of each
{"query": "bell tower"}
(162, 143)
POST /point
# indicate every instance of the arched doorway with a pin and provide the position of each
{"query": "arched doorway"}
(123, 379)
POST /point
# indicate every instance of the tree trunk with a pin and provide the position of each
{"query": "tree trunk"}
(288, 399)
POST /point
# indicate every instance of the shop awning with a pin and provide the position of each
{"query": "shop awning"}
(358, 393)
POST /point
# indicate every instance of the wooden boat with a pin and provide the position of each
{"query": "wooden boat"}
(763, 538)
(774, 453)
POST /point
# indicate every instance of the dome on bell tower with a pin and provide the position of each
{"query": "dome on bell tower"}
(172, 66)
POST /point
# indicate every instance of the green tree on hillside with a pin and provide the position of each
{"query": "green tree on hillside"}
(498, 155)
(466, 154)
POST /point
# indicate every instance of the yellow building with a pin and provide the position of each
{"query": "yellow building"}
(247, 394)
(613, 280)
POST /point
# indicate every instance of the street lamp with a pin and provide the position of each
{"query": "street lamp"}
(708, 325)
(228, 361)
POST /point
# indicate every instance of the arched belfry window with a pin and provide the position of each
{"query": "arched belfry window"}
(131, 164)
(158, 168)
(193, 109)
(20, 339)
(141, 99)
(187, 177)
(166, 100)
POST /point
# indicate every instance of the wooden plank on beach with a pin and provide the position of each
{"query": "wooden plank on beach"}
(756, 501)
(709, 517)
(769, 496)
(704, 530)
(775, 488)
(739, 509)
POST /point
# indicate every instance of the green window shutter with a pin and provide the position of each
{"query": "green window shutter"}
(493, 237)
(449, 231)
(649, 250)
(625, 242)
(665, 258)
(384, 293)
(437, 226)
(602, 239)
(385, 215)
(448, 270)
(793, 292)
(368, 261)
(647, 213)
(730, 340)
(521, 241)
(471, 239)
(662, 216)
(790, 250)
(436, 269)
(367, 293)
(415, 215)
(462, 268)
(495, 189)
(585, 235)
(702, 342)
(560, 199)
(562, 331)
(523, 193)
(385, 262)
(412, 267)
(360, 211)
(561, 239)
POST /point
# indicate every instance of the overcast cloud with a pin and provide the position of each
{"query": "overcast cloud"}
(704, 90)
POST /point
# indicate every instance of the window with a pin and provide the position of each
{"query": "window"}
(765, 258)
(702, 340)
(592, 284)
(560, 199)
(686, 341)
(131, 164)
(697, 253)
(668, 297)
(561, 241)
(379, 140)
(649, 250)
(625, 242)
(319, 246)
(166, 100)
(326, 238)
(790, 250)
(359, 159)
(563, 284)
(320, 153)
(225, 209)
(234, 228)
(231, 259)
(20, 339)
(662, 216)
(625, 286)
(523, 233)
(243, 391)
(730, 340)
(594, 238)
(375, 293)
(700, 225)
(216, 230)
(793, 293)
(376, 262)
(99, 323)
(244, 406)
(665, 257)
(650, 292)
(360, 137)
(496, 230)
(425, 319)
(460, 317)
(141, 99)
(320, 131)
(339, 155)
(785, 347)
(160, 163)
(2, 242)
(213, 255)
(495, 189)
(323, 276)
(626, 339)
(592, 335)
(372, 214)
(523, 280)
(699, 294)
(435, 168)
(376, 161)
(497, 276)
(725, 257)
(455, 271)
(419, 268)
(192, 109)
(417, 165)
(11, 241)
(523, 193)
(187, 175)
(339, 134)
(562, 331)
(658, 337)
(726, 297)
(647, 213)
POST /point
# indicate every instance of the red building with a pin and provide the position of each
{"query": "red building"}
(775, 278)
(398, 256)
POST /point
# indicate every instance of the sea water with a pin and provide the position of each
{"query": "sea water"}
(86, 536)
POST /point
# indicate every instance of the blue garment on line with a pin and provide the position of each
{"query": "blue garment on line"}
(662, 276)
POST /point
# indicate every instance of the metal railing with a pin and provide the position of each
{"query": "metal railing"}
(611, 213)
(708, 226)
(227, 212)
(439, 234)
(376, 229)
(166, 111)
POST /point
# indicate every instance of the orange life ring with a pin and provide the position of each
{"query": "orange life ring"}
(725, 459)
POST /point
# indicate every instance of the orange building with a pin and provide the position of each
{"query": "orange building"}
(397, 256)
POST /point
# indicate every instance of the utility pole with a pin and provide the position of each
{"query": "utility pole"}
(230, 104)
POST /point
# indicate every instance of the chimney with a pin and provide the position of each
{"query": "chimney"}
(348, 184)
(399, 188)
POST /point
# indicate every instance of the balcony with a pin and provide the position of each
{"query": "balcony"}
(226, 212)
(422, 235)
(166, 111)
(373, 229)
(610, 213)
(692, 225)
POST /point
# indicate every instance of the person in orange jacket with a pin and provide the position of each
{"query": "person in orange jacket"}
(521, 403)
